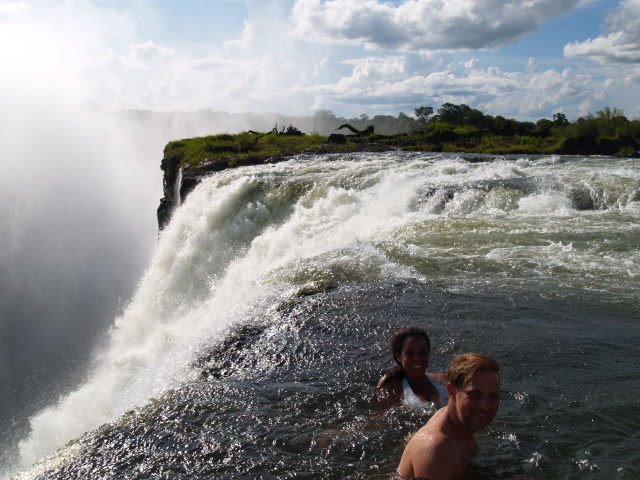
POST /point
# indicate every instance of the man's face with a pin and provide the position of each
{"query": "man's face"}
(477, 402)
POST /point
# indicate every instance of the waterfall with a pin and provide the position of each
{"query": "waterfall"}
(178, 186)
(246, 240)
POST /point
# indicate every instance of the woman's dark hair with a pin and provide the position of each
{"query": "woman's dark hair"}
(401, 335)
(397, 340)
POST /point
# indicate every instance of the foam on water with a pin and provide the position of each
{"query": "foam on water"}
(545, 203)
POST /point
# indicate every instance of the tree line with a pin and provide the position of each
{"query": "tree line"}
(459, 127)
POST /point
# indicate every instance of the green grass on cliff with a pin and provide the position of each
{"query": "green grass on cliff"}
(233, 150)
(236, 149)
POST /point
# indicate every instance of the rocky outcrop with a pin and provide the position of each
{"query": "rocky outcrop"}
(187, 161)
(178, 181)
(170, 168)
(180, 178)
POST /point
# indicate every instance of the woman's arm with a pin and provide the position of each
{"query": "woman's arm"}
(388, 392)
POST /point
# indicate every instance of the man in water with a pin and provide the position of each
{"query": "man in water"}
(443, 448)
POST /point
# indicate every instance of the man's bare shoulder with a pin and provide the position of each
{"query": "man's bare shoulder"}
(430, 452)
(431, 438)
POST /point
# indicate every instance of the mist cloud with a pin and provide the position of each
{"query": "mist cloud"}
(13, 7)
(415, 25)
(620, 42)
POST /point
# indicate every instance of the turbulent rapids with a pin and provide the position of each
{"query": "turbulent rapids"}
(256, 335)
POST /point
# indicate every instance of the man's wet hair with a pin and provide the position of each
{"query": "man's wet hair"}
(467, 366)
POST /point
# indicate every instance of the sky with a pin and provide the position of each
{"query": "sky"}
(525, 59)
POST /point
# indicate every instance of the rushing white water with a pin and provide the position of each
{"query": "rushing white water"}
(245, 239)
(78, 192)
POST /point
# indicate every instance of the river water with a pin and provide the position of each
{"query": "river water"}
(260, 328)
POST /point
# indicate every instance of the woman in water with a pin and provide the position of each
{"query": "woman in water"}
(409, 382)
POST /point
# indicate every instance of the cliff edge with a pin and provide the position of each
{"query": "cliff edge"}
(186, 162)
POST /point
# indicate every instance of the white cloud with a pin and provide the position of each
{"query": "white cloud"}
(244, 44)
(140, 56)
(377, 67)
(529, 93)
(471, 64)
(97, 53)
(257, 70)
(612, 48)
(620, 42)
(415, 25)
(143, 54)
(91, 53)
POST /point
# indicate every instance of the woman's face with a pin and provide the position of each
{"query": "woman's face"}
(414, 356)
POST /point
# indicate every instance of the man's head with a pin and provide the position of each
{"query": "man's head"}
(474, 390)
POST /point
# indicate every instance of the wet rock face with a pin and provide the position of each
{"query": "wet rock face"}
(163, 213)
(170, 201)
(170, 167)
(582, 199)
(174, 194)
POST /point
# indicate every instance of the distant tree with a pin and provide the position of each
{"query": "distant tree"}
(560, 119)
(608, 113)
(294, 131)
(586, 126)
(505, 126)
(634, 128)
(621, 126)
(525, 128)
(477, 118)
(440, 132)
(612, 122)
(423, 113)
(454, 114)
(499, 123)
(544, 124)
(543, 127)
